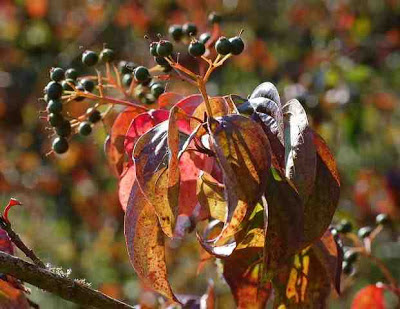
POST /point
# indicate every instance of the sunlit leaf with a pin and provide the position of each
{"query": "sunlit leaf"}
(371, 296)
(145, 243)
(267, 90)
(243, 272)
(168, 99)
(125, 184)
(210, 194)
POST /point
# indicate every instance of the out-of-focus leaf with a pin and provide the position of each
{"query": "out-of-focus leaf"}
(145, 243)
(243, 272)
(5, 243)
(303, 283)
(210, 194)
(169, 99)
(207, 301)
(300, 154)
(11, 297)
(243, 153)
(284, 222)
(115, 145)
(369, 297)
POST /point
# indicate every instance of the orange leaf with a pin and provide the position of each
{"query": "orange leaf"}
(369, 297)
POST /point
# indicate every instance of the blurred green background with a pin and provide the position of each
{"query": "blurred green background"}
(341, 59)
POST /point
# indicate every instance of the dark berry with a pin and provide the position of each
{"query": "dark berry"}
(157, 89)
(107, 55)
(87, 84)
(64, 129)
(204, 37)
(148, 99)
(153, 49)
(347, 268)
(122, 67)
(60, 145)
(196, 49)
(344, 227)
(85, 128)
(164, 48)
(166, 68)
(189, 29)
(350, 256)
(223, 46)
(90, 58)
(364, 232)
(237, 45)
(161, 60)
(71, 74)
(57, 74)
(65, 84)
(214, 18)
(55, 120)
(382, 219)
(93, 115)
(127, 79)
(176, 32)
(80, 88)
(54, 106)
(141, 74)
(54, 90)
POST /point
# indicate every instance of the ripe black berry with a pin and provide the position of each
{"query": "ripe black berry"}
(166, 68)
(364, 232)
(60, 145)
(196, 49)
(93, 115)
(153, 49)
(161, 60)
(55, 120)
(350, 256)
(157, 89)
(85, 128)
(164, 48)
(53, 90)
(344, 227)
(237, 45)
(127, 79)
(204, 37)
(54, 106)
(382, 219)
(57, 74)
(64, 129)
(71, 73)
(223, 46)
(107, 55)
(214, 18)
(189, 29)
(90, 58)
(87, 84)
(176, 32)
(141, 74)
(80, 88)
(347, 268)
(65, 84)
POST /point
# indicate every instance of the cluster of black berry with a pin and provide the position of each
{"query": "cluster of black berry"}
(345, 227)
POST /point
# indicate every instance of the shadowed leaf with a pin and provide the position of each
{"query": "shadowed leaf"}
(210, 194)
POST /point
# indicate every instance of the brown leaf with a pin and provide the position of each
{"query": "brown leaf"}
(210, 195)
(145, 243)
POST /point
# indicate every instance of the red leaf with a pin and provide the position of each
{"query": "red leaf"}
(11, 297)
(5, 243)
(168, 99)
(190, 103)
(125, 184)
(369, 297)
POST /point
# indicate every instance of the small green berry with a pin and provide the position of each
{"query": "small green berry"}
(55, 119)
(344, 226)
(54, 106)
(107, 55)
(161, 61)
(237, 45)
(64, 129)
(176, 32)
(87, 84)
(196, 49)
(60, 145)
(90, 58)
(127, 79)
(141, 74)
(65, 84)
(347, 268)
(204, 37)
(93, 115)
(153, 49)
(350, 256)
(54, 90)
(364, 232)
(223, 46)
(85, 128)
(190, 29)
(214, 18)
(157, 89)
(382, 219)
(57, 74)
(164, 48)
(71, 74)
